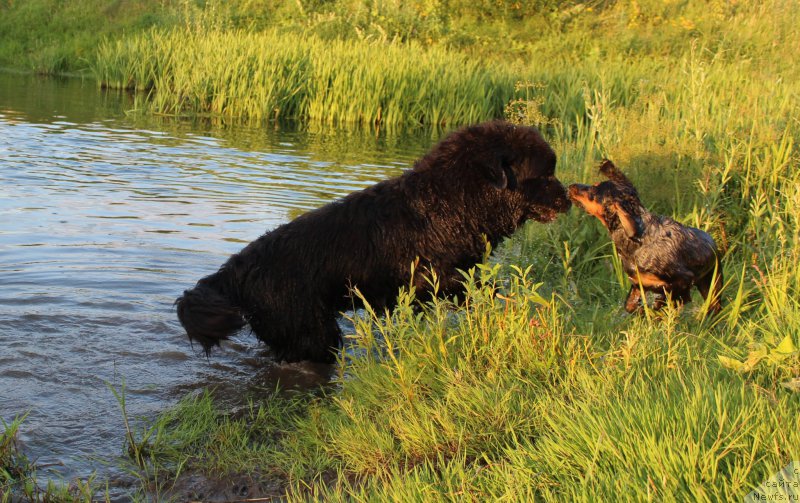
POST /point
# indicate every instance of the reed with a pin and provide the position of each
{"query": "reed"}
(260, 76)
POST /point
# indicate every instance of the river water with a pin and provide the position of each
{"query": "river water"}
(106, 215)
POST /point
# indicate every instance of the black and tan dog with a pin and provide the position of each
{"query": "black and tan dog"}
(659, 254)
(480, 183)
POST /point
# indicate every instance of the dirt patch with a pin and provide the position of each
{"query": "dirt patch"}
(238, 488)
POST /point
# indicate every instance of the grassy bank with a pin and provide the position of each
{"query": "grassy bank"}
(540, 387)
(54, 37)
(387, 62)
(51, 36)
(339, 61)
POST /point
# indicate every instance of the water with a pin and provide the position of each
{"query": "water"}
(105, 217)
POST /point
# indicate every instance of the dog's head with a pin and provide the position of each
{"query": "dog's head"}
(614, 202)
(502, 166)
(526, 167)
(517, 166)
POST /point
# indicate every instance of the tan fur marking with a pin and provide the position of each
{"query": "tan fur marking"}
(591, 207)
(648, 280)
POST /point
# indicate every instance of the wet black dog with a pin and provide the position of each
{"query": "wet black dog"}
(480, 183)
(659, 254)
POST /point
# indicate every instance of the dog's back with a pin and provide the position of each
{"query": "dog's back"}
(666, 247)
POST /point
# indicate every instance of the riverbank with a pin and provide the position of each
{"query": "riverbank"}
(548, 390)
(410, 63)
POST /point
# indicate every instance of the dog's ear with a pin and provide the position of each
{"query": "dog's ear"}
(501, 175)
(612, 172)
(631, 224)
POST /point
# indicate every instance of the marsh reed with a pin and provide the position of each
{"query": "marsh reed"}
(261, 76)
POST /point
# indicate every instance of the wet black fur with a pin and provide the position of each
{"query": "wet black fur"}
(479, 183)
(681, 256)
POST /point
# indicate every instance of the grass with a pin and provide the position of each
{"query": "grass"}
(18, 474)
(387, 62)
(197, 437)
(511, 393)
(534, 385)
(51, 36)
(230, 74)
(54, 37)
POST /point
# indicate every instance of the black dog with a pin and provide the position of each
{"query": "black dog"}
(480, 183)
(658, 254)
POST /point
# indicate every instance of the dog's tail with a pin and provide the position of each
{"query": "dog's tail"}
(208, 315)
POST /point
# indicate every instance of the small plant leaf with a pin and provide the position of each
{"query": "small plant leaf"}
(786, 347)
(731, 363)
(756, 355)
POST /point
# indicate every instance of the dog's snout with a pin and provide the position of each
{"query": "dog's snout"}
(578, 192)
(564, 203)
(560, 199)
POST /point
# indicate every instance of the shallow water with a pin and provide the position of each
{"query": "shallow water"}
(105, 217)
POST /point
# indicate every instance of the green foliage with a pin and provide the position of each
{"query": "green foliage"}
(18, 474)
(197, 436)
(55, 37)
(230, 73)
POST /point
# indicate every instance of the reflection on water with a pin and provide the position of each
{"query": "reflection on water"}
(105, 218)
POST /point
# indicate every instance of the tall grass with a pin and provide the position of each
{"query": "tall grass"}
(510, 393)
(260, 76)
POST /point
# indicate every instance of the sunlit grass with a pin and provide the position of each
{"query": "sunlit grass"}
(258, 76)
(512, 393)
